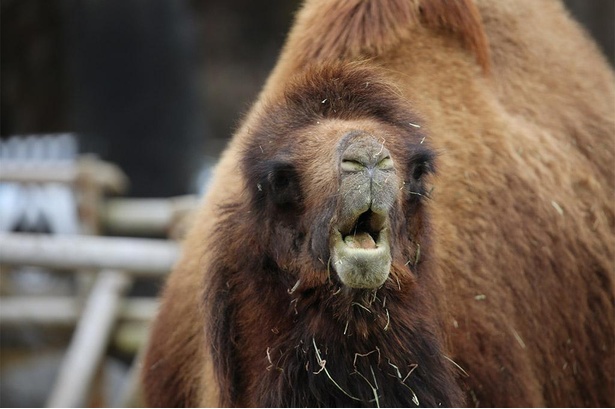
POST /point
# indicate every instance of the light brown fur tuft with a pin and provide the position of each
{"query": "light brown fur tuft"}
(333, 30)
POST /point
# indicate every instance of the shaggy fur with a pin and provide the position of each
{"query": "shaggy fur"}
(500, 291)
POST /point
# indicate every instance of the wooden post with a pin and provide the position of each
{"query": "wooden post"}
(89, 341)
(130, 395)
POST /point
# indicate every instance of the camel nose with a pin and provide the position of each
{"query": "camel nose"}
(368, 177)
(365, 152)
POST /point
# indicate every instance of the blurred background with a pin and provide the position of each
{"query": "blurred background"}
(112, 115)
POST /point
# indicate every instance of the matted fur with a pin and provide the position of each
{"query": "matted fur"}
(501, 286)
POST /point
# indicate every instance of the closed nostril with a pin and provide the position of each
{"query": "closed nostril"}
(350, 165)
(362, 160)
(365, 151)
(385, 164)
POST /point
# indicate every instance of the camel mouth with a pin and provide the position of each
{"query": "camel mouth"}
(365, 231)
(361, 254)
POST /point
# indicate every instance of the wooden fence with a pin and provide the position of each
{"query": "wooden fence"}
(104, 267)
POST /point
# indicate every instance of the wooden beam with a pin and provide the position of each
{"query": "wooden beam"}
(15, 310)
(139, 256)
(145, 216)
(106, 175)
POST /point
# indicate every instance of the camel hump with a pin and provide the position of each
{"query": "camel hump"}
(335, 29)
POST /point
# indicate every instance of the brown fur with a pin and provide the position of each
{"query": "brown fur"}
(507, 269)
(357, 27)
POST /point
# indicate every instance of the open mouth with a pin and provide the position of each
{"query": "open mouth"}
(360, 251)
(365, 232)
